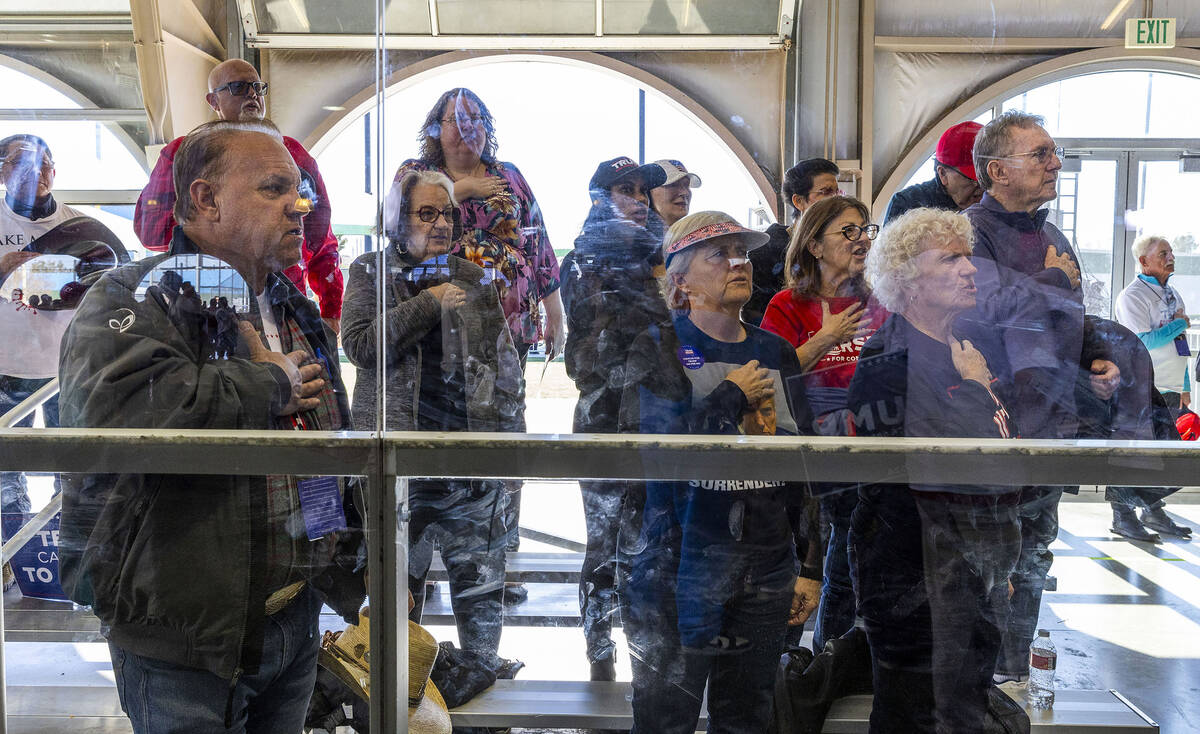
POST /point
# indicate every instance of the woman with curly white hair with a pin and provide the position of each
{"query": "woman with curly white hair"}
(930, 563)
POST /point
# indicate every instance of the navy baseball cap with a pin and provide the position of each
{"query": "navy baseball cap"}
(611, 171)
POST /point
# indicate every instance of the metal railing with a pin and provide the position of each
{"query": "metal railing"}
(388, 460)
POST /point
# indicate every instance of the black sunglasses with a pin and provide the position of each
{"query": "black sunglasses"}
(242, 89)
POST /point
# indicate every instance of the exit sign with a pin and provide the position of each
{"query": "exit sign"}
(1150, 33)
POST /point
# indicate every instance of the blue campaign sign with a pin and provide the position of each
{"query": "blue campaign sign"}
(36, 564)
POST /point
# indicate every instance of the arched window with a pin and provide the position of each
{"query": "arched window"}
(1122, 173)
(556, 140)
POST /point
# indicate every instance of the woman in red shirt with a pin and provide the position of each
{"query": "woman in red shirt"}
(827, 314)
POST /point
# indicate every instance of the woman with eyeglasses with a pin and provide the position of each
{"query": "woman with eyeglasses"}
(503, 233)
(827, 313)
(449, 365)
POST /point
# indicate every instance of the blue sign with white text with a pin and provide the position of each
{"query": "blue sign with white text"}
(36, 563)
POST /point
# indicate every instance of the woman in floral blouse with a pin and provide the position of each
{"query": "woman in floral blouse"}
(503, 230)
(503, 233)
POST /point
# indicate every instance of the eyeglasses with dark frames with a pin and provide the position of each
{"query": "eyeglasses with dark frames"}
(243, 89)
(852, 232)
(430, 214)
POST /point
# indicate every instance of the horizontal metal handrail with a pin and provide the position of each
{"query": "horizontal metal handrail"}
(29, 404)
(602, 456)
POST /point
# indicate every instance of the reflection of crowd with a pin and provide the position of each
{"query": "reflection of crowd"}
(940, 324)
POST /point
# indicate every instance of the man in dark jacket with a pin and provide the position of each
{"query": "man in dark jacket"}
(804, 184)
(954, 186)
(209, 587)
(1031, 295)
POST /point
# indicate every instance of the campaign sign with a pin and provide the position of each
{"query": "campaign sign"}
(36, 564)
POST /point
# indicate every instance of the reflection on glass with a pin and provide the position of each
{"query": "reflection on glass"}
(710, 17)
(527, 17)
(349, 16)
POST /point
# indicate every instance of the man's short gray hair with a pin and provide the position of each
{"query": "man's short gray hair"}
(202, 156)
(1143, 244)
(995, 141)
(891, 262)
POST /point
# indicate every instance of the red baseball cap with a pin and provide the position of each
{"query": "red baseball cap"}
(954, 148)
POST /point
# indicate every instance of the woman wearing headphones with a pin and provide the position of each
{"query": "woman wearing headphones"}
(449, 365)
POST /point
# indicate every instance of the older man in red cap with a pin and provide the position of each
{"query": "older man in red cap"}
(953, 185)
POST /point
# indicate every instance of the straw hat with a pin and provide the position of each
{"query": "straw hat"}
(427, 712)
(348, 656)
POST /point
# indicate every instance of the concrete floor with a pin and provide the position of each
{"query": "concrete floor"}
(1125, 616)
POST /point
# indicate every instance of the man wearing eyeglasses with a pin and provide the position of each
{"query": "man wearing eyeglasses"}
(954, 186)
(236, 93)
(1030, 294)
(209, 588)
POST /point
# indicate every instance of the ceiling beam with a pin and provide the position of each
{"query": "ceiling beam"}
(85, 114)
(518, 43)
(977, 45)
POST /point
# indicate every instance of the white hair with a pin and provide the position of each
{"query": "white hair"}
(1143, 244)
(891, 262)
(395, 204)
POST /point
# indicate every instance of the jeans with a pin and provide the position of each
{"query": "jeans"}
(467, 518)
(165, 698)
(603, 570)
(931, 571)
(14, 491)
(669, 679)
(1039, 527)
(835, 613)
(1146, 498)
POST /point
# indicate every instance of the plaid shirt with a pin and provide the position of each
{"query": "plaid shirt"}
(154, 222)
(289, 552)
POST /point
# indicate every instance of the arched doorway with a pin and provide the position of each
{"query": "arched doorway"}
(566, 116)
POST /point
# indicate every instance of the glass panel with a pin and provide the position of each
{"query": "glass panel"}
(1085, 211)
(59, 667)
(351, 16)
(65, 7)
(1164, 199)
(708, 17)
(525, 17)
(1154, 104)
(87, 155)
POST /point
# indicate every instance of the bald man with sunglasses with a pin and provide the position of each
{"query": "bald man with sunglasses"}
(236, 93)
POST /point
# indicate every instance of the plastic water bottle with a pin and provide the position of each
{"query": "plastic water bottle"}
(1043, 659)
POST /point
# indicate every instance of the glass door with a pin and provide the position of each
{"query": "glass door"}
(1164, 203)
(1091, 195)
